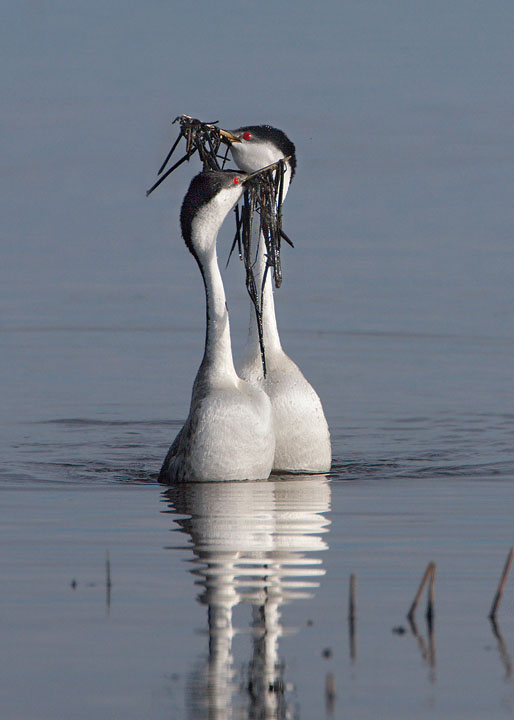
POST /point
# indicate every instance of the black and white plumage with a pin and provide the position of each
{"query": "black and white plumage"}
(229, 433)
(301, 431)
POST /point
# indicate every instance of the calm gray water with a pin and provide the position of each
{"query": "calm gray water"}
(398, 304)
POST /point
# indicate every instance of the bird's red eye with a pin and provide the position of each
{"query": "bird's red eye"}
(236, 181)
(247, 135)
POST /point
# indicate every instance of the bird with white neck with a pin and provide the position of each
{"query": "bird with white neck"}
(302, 435)
(229, 432)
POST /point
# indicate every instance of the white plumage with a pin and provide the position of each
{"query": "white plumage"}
(301, 431)
(228, 434)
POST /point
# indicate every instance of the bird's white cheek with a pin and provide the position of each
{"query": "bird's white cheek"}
(251, 157)
(209, 219)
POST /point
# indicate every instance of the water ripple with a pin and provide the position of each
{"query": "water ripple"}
(83, 450)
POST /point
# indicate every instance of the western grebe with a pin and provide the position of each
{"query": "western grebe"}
(229, 433)
(301, 431)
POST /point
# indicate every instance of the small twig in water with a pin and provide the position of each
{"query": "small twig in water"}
(352, 603)
(430, 612)
(108, 581)
(501, 587)
(352, 615)
(428, 575)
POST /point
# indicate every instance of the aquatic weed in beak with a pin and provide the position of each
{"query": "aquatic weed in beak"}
(263, 195)
(202, 138)
(264, 191)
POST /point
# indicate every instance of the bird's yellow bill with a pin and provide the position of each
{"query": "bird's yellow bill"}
(228, 138)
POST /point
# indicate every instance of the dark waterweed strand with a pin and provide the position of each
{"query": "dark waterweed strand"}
(237, 237)
(247, 215)
(200, 137)
(268, 194)
(169, 154)
(263, 195)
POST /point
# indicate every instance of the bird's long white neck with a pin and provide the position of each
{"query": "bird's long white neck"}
(217, 360)
(217, 363)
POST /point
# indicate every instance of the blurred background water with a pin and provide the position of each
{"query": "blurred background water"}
(397, 303)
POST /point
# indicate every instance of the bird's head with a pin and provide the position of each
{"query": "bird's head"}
(256, 146)
(209, 199)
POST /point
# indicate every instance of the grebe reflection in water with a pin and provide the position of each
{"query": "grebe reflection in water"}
(255, 544)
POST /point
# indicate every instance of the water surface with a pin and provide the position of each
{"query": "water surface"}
(397, 303)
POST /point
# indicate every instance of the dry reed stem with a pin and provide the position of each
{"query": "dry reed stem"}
(501, 586)
(429, 574)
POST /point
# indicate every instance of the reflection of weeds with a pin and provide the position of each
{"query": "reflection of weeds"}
(502, 648)
(426, 646)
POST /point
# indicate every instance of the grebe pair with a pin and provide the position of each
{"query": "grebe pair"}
(243, 426)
